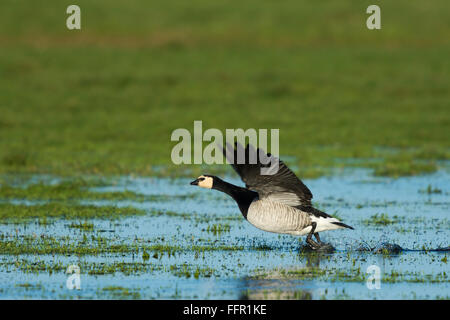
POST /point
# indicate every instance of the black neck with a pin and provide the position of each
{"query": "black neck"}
(242, 196)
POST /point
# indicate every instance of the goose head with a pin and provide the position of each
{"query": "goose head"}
(204, 181)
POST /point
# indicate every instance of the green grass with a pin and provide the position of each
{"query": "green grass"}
(97, 245)
(218, 228)
(431, 190)
(116, 292)
(105, 99)
(85, 226)
(380, 219)
(71, 190)
(350, 275)
(23, 213)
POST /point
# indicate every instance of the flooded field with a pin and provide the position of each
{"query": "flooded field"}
(160, 238)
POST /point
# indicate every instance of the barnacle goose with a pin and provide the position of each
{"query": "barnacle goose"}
(278, 202)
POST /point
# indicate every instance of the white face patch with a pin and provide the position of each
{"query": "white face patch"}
(205, 182)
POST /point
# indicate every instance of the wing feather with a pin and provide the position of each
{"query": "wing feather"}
(278, 183)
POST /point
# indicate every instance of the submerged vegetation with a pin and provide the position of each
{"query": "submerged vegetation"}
(431, 190)
(117, 292)
(50, 223)
(86, 226)
(209, 255)
(217, 229)
(381, 219)
(96, 245)
(352, 275)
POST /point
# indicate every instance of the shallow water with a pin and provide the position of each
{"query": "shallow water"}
(242, 261)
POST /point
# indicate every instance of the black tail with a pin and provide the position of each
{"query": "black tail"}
(342, 225)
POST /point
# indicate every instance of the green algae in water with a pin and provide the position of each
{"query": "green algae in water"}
(86, 226)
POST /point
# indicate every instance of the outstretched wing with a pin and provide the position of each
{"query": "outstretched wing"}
(278, 183)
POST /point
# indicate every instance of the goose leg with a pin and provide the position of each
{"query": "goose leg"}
(314, 245)
(317, 237)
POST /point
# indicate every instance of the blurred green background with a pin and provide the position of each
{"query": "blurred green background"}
(105, 99)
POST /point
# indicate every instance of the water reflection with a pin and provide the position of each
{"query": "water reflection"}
(275, 290)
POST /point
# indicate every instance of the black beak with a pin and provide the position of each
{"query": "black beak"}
(194, 183)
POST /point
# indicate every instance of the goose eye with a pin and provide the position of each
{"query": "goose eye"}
(201, 179)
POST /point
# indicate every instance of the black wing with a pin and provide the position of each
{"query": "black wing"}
(278, 182)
